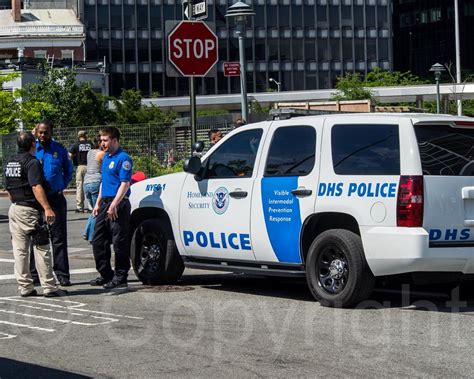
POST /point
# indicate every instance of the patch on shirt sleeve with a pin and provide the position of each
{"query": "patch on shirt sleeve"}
(126, 165)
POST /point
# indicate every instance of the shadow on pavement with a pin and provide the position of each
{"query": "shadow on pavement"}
(10, 368)
(441, 298)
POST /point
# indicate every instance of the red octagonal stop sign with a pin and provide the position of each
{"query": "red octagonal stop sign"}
(192, 48)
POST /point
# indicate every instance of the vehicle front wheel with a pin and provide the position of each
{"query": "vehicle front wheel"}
(155, 258)
(336, 269)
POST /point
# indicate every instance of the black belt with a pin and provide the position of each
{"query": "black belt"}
(108, 200)
(26, 203)
(59, 193)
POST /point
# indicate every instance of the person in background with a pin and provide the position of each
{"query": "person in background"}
(78, 153)
(112, 212)
(92, 181)
(215, 135)
(239, 122)
(28, 212)
(57, 168)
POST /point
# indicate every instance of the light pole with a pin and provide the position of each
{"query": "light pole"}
(277, 83)
(438, 69)
(458, 53)
(240, 11)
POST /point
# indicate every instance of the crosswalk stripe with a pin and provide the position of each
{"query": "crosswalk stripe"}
(77, 271)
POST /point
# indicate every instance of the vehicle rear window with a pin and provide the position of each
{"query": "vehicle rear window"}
(365, 149)
(445, 150)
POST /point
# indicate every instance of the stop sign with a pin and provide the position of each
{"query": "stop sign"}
(192, 48)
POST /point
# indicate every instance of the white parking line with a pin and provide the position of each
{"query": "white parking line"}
(108, 320)
(6, 336)
(7, 260)
(77, 271)
(27, 326)
(75, 308)
(70, 250)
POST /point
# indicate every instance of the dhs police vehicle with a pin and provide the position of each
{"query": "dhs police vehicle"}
(338, 199)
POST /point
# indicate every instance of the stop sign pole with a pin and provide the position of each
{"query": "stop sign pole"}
(192, 92)
(193, 51)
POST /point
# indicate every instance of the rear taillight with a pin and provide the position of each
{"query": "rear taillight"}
(410, 201)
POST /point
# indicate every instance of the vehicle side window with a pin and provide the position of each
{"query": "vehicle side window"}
(292, 151)
(366, 149)
(235, 158)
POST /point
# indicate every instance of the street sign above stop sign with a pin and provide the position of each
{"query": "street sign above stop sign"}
(192, 48)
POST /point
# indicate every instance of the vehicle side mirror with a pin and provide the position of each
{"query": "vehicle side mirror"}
(192, 165)
(198, 147)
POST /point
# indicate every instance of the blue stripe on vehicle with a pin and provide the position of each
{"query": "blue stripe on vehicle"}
(282, 217)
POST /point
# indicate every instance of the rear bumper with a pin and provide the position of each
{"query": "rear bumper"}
(395, 250)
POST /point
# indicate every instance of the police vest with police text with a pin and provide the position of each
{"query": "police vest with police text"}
(16, 178)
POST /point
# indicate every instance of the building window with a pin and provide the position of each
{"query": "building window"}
(40, 54)
(67, 54)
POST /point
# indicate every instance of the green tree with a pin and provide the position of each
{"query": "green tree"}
(8, 106)
(63, 101)
(256, 107)
(351, 87)
(130, 110)
(383, 78)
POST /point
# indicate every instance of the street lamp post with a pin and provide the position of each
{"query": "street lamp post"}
(277, 83)
(240, 12)
(458, 53)
(438, 69)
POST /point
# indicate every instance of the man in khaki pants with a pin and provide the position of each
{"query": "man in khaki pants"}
(25, 185)
(78, 153)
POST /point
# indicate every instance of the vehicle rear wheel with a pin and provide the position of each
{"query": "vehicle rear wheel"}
(155, 258)
(336, 269)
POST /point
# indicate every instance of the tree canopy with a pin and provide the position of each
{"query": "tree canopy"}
(57, 96)
(351, 86)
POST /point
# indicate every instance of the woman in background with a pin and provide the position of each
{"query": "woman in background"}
(92, 183)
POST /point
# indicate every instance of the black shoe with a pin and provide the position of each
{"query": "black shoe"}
(114, 284)
(79, 210)
(64, 282)
(32, 293)
(100, 281)
(57, 293)
(36, 282)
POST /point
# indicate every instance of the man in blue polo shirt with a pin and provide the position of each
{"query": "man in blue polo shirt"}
(112, 212)
(57, 168)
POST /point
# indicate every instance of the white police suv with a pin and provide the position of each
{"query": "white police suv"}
(338, 199)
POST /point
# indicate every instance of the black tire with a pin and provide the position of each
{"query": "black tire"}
(155, 258)
(336, 270)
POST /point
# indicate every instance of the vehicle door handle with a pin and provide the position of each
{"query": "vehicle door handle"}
(302, 192)
(238, 194)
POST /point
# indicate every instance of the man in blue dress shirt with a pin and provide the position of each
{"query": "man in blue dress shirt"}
(112, 212)
(57, 168)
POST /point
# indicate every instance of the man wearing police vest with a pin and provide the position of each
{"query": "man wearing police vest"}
(78, 153)
(25, 184)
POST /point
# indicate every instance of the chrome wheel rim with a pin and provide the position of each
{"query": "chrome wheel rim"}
(332, 269)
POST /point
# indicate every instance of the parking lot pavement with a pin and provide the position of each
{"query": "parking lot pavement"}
(220, 324)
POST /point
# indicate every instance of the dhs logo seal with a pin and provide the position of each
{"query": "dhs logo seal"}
(220, 200)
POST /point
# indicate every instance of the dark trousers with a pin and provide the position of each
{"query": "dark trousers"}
(58, 238)
(115, 232)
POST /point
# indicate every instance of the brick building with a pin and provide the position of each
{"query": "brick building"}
(41, 33)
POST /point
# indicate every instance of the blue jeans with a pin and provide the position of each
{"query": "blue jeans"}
(91, 192)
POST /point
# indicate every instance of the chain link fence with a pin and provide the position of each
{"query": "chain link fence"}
(155, 148)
